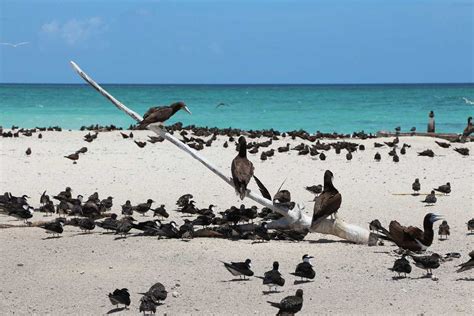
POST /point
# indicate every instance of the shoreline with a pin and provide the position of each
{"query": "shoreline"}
(91, 265)
(178, 126)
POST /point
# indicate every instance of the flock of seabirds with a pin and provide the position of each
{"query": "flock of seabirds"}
(87, 214)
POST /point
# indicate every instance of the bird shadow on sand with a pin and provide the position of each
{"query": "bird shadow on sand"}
(328, 241)
(426, 276)
(121, 237)
(82, 234)
(465, 279)
(469, 234)
(384, 252)
(116, 310)
(270, 292)
(302, 282)
(235, 280)
(399, 277)
(51, 237)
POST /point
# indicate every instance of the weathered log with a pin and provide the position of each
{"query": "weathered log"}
(292, 219)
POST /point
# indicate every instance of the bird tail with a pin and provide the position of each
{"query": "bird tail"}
(262, 189)
(277, 305)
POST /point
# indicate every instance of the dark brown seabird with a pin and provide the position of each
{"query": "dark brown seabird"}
(161, 114)
(467, 265)
(443, 230)
(328, 202)
(242, 169)
(290, 305)
(416, 186)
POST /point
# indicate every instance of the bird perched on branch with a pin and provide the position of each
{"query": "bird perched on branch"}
(411, 238)
(242, 169)
(328, 202)
(161, 113)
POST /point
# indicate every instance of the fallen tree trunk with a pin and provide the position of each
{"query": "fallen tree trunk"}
(292, 219)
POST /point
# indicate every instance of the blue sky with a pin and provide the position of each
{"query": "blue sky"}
(238, 41)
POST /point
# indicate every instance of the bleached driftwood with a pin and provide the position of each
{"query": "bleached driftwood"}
(292, 219)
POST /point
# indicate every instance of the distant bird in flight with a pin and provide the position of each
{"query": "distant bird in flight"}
(221, 104)
(15, 45)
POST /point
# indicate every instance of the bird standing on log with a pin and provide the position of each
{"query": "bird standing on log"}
(160, 114)
(329, 201)
(242, 169)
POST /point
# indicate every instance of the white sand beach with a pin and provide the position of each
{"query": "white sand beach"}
(72, 275)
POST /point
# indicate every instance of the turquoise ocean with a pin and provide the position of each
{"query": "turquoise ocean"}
(327, 108)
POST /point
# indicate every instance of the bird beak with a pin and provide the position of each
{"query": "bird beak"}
(437, 218)
(187, 110)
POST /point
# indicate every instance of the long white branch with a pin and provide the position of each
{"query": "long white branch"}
(293, 219)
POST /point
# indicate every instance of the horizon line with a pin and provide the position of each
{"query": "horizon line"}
(244, 84)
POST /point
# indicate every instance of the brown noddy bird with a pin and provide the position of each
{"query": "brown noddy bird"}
(83, 150)
(161, 113)
(443, 145)
(140, 144)
(73, 157)
(445, 188)
(328, 202)
(416, 186)
(443, 230)
(463, 151)
(242, 169)
(290, 305)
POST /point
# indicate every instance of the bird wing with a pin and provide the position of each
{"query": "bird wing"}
(402, 235)
(152, 110)
(326, 204)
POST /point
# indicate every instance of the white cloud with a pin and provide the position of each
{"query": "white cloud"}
(75, 31)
